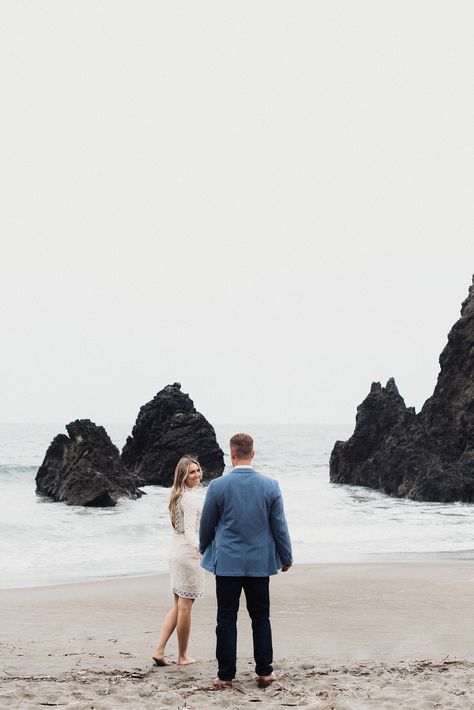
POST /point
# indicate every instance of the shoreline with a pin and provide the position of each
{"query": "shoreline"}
(343, 630)
(375, 558)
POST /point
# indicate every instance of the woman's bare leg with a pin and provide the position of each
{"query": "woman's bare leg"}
(168, 626)
(183, 629)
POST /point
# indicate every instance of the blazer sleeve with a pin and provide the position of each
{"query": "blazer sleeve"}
(279, 528)
(209, 518)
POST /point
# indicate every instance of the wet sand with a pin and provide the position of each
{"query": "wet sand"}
(345, 636)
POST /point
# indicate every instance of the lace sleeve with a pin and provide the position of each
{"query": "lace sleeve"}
(191, 515)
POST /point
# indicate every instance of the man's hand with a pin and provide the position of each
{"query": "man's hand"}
(285, 568)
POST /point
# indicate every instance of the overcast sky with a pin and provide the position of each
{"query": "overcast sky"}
(270, 202)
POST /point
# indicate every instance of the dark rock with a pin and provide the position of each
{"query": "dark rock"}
(84, 468)
(167, 428)
(429, 456)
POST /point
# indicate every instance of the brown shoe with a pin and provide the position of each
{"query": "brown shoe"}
(218, 683)
(264, 681)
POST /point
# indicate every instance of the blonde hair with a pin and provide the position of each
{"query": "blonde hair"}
(179, 483)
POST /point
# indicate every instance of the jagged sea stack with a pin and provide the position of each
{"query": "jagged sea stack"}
(84, 468)
(429, 456)
(167, 428)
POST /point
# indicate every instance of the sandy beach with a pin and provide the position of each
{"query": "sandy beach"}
(345, 636)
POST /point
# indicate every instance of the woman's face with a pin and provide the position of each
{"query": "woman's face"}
(194, 476)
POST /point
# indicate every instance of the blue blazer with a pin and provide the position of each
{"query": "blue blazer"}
(243, 530)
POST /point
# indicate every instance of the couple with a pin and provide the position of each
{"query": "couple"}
(243, 538)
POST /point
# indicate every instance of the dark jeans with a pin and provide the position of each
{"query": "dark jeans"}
(228, 590)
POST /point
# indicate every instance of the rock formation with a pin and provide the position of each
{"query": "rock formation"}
(167, 428)
(426, 457)
(84, 468)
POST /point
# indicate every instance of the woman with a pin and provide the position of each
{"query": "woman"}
(187, 577)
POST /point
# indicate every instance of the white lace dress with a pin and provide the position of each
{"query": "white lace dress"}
(186, 576)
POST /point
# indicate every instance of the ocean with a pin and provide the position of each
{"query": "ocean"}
(43, 543)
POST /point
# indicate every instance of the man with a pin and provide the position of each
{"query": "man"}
(244, 539)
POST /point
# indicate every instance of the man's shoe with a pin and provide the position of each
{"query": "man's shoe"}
(264, 681)
(218, 683)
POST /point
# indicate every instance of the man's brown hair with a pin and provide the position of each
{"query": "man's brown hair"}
(242, 446)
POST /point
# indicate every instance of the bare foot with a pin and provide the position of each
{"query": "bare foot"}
(161, 661)
(264, 681)
(186, 661)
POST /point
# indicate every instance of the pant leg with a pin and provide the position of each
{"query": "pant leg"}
(257, 594)
(228, 590)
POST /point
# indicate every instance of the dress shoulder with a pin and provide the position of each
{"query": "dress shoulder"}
(190, 502)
